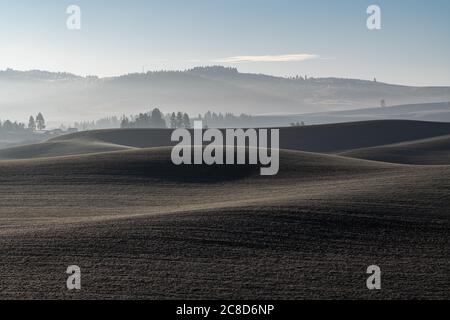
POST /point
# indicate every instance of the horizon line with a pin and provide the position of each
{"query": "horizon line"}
(217, 66)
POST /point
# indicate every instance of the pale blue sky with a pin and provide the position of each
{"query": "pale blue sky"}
(119, 37)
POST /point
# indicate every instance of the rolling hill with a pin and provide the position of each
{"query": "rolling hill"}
(111, 202)
(141, 228)
(432, 151)
(332, 138)
(58, 149)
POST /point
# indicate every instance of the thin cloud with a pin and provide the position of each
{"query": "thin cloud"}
(269, 58)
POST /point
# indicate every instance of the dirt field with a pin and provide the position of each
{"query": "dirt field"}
(140, 227)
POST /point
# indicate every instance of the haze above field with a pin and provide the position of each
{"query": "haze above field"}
(66, 98)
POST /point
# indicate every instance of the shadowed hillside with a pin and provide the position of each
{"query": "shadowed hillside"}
(432, 151)
(347, 136)
(322, 138)
(59, 148)
(141, 228)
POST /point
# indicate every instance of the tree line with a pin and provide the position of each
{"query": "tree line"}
(174, 120)
(34, 124)
(104, 123)
(153, 119)
(219, 120)
(179, 120)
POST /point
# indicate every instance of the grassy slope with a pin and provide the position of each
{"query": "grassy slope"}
(141, 228)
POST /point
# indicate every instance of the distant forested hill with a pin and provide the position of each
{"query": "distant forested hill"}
(67, 97)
